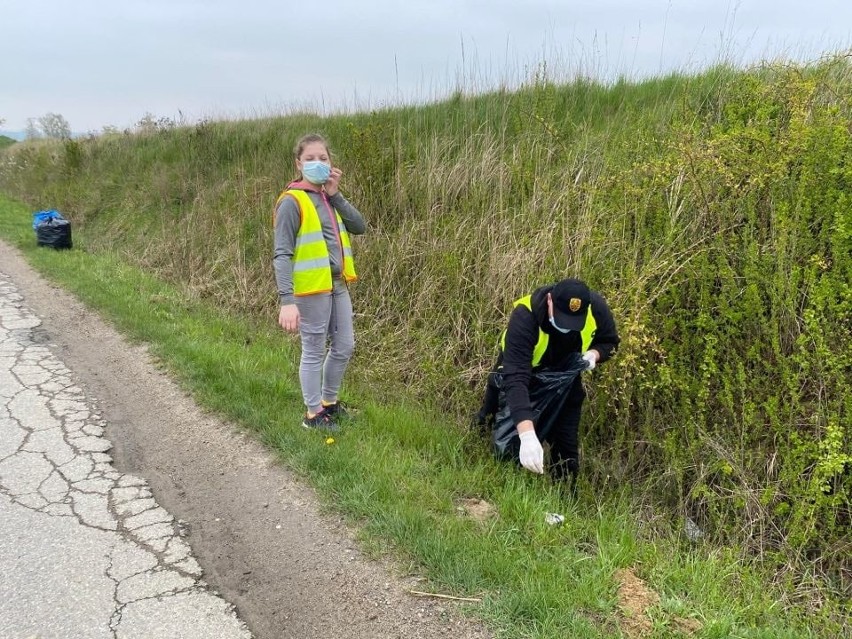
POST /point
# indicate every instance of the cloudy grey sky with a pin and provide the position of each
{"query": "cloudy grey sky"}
(108, 62)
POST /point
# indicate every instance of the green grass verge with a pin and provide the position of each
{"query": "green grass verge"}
(399, 472)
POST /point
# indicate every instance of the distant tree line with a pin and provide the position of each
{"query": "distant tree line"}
(51, 125)
(54, 126)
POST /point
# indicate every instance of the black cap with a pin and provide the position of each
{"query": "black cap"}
(571, 299)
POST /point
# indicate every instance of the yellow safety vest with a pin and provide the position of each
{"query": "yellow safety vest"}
(311, 265)
(586, 335)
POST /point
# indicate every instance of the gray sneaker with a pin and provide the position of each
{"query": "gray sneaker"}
(321, 421)
(338, 411)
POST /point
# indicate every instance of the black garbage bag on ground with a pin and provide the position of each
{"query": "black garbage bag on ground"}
(54, 232)
(548, 392)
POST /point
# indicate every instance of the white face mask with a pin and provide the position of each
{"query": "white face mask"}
(557, 327)
(316, 172)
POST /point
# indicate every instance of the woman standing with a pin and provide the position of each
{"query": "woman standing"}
(313, 268)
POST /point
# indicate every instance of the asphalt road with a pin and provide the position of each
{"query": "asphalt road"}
(85, 551)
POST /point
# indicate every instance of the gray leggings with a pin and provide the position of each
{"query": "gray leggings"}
(324, 316)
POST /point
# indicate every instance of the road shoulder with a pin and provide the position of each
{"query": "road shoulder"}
(257, 531)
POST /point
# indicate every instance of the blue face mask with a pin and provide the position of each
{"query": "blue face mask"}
(316, 172)
(558, 328)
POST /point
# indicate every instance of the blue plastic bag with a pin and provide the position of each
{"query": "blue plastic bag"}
(52, 230)
(43, 217)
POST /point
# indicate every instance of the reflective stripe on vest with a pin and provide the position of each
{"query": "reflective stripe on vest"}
(311, 265)
(586, 335)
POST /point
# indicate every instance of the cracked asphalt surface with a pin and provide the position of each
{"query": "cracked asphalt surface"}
(85, 551)
(291, 568)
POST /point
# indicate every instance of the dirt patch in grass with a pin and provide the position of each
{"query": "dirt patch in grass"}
(635, 598)
(477, 509)
(688, 626)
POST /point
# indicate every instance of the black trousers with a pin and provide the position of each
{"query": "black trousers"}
(563, 437)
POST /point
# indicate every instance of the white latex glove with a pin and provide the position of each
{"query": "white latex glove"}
(591, 360)
(532, 454)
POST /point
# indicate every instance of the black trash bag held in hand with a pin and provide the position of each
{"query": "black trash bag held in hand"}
(548, 391)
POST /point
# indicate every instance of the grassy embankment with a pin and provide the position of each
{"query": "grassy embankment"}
(713, 211)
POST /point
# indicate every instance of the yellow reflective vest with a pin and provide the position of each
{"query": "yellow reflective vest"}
(586, 335)
(311, 265)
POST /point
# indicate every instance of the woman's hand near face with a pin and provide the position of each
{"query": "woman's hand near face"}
(332, 185)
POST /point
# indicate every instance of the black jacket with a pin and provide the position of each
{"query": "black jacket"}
(515, 360)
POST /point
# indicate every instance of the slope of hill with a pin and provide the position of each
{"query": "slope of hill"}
(713, 211)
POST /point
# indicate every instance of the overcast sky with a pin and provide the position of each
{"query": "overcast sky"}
(108, 62)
